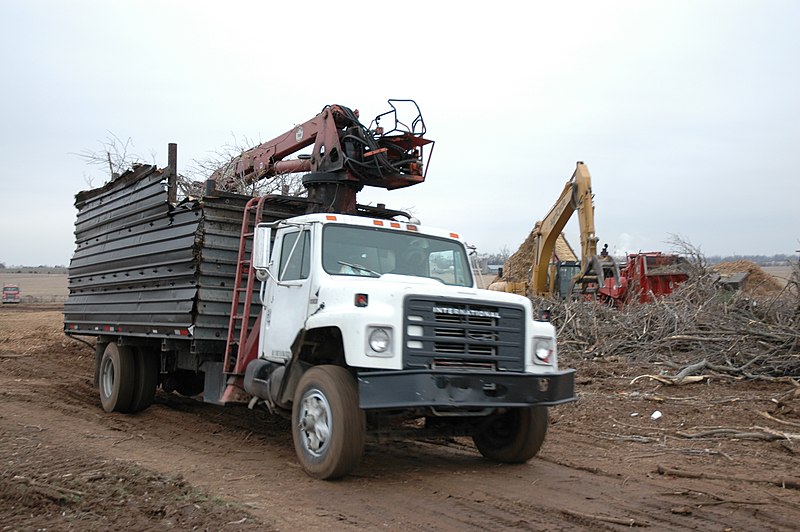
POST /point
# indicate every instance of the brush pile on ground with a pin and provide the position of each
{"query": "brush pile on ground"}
(758, 283)
(700, 328)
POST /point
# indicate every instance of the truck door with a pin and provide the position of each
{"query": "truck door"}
(286, 301)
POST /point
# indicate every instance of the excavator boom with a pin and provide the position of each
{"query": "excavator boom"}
(577, 195)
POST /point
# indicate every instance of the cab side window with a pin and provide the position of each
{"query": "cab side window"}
(295, 259)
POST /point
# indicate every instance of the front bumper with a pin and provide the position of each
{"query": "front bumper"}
(437, 388)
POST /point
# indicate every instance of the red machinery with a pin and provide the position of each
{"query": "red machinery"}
(654, 274)
(644, 277)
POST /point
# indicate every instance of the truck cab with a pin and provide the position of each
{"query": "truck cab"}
(392, 308)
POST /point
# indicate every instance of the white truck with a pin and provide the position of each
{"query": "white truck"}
(356, 321)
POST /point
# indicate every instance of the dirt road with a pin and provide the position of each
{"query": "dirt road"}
(723, 455)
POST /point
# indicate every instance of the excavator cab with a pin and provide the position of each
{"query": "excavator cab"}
(565, 273)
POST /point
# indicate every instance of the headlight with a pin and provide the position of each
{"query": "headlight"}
(380, 341)
(543, 351)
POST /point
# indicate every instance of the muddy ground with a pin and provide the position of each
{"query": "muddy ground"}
(724, 455)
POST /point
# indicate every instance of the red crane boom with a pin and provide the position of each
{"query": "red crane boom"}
(346, 156)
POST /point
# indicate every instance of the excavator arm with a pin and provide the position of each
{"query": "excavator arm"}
(576, 196)
(599, 276)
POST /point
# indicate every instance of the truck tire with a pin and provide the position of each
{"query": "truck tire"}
(144, 390)
(117, 378)
(328, 426)
(513, 436)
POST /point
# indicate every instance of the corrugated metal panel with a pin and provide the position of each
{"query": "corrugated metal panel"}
(134, 197)
(144, 267)
(220, 230)
(135, 265)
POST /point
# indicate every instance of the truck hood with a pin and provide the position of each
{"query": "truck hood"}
(401, 285)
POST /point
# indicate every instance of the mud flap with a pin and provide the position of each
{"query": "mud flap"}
(214, 383)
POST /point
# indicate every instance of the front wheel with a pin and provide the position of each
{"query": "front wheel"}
(328, 426)
(513, 436)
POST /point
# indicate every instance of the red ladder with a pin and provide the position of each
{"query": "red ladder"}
(240, 351)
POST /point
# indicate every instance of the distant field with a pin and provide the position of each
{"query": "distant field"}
(38, 287)
(781, 273)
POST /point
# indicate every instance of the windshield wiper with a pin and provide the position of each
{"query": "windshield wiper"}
(359, 267)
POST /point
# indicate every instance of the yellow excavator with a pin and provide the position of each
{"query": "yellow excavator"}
(552, 272)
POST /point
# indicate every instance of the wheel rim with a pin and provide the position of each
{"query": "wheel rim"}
(502, 429)
(315, 422)
(107, 377)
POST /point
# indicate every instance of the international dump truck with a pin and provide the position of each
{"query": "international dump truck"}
(353, 321)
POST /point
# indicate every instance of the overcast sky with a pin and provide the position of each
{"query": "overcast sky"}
(686, 113)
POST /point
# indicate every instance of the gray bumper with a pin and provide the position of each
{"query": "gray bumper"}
(420, 388)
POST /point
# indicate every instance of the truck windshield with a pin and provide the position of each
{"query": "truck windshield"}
(11, 289)
(372, 252)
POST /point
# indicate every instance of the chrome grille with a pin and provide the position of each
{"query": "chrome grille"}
(443, 333)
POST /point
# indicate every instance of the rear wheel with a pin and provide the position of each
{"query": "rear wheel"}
(117, 378)
(512, 436)
(328, 426)
(144, 390)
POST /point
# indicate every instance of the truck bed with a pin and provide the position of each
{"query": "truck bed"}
(144, 267)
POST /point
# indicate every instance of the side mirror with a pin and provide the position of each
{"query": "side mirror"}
(261, 247)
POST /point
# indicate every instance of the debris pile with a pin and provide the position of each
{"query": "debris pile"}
(517, 268)
(698, 325)
(756, 282)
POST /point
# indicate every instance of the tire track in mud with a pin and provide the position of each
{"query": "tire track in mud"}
(401, 485)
